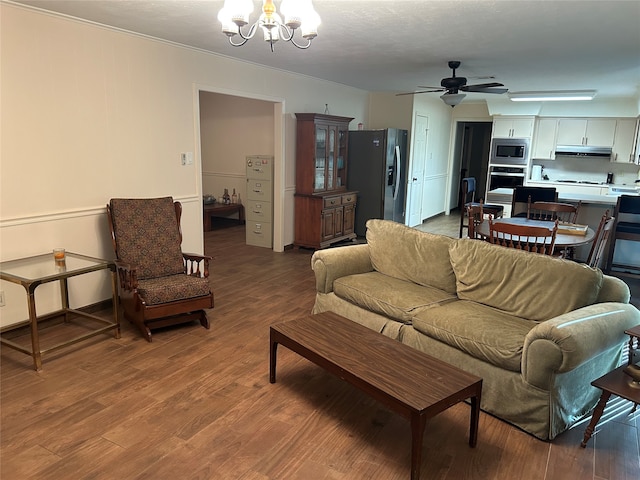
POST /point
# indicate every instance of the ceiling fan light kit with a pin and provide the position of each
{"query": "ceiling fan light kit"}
(452, 99)
(552, 96)
(298, 14)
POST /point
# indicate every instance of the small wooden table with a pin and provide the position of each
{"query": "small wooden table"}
(615, 383)
(634, 338)
(412, 383)
(221, 210)
(563, 240)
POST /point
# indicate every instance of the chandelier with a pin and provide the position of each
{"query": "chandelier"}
(298, 14)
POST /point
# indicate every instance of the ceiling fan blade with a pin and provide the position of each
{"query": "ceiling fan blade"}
(421, 91)
(435, 89)
(498, 91)
(480, 86)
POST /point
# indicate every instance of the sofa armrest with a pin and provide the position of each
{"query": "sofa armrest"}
(334, 263)
(613, 290)
(563, 343)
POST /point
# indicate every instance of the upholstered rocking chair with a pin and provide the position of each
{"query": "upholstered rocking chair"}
(158, 284)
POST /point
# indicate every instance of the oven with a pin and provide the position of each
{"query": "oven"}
(505, 177)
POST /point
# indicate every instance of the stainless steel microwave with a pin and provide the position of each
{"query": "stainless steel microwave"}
(509, 151)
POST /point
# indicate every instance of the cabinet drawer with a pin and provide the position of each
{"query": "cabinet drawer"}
(259, 234)
(258, 210)
(259, 171)
(332, 202)
(258, 189)
(349, 198)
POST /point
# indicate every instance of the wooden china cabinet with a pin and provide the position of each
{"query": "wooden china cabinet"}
(324, 208)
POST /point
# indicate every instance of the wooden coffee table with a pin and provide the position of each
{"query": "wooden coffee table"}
(409, 382)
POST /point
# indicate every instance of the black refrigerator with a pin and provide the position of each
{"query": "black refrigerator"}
(377, 170)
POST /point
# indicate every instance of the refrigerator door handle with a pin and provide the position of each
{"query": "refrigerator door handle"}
(397, 162)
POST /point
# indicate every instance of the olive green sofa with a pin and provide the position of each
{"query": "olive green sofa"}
(537, 329)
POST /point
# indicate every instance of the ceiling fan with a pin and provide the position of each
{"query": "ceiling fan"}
(452, 86)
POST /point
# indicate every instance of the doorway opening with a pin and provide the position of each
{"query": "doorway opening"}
(230, 128)
(471, 157)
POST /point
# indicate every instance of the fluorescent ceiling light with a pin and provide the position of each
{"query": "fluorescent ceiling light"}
(553, 96)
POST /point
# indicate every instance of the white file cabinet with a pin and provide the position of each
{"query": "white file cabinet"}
(259, 207)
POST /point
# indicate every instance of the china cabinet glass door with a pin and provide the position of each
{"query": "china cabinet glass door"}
(331, 158)
(321, 159)
(341, 173)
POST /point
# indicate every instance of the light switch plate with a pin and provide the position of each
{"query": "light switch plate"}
(186, 158)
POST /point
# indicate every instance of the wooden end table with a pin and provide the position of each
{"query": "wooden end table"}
(31, 272)
(615, 383)
(409, 382)
(221, 210)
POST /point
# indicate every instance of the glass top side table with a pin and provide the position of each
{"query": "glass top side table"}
(33, 271)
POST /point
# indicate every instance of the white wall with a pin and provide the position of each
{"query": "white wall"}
(90, 113)
(387, 110)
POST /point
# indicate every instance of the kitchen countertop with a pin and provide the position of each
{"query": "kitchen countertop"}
(568, 196)
(586, 198)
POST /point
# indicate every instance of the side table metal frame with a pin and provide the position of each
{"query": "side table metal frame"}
(30, 286)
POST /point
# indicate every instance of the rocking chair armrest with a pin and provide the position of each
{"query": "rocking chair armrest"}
(192, 264)
(127, 275)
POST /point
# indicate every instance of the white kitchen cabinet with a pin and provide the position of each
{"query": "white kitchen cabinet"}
(623, 147)
(512, 127)
(544, 140)
(597, 132)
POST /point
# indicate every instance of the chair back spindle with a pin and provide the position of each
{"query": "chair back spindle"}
(533, 239)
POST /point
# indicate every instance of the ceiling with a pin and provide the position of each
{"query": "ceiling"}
(397, 45)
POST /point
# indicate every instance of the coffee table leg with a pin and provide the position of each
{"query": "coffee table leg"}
(475, 418)
(597, 413)
(418, 423)
(272, 358)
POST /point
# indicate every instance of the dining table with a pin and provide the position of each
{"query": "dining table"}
(563, 240)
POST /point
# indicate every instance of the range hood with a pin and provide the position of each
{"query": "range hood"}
(583, 151)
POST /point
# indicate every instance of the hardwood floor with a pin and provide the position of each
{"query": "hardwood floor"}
(197, 404)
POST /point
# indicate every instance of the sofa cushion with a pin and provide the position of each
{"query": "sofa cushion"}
(389, 296)
(527, 285)
(483, 332)
(409, 254)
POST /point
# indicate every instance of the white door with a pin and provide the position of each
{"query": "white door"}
(416, 177)
(434, 186)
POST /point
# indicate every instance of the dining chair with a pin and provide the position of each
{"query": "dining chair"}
(468, 198)
(475, 214)
(600, 240)
(523, 237)
(550, 211)
(523, 195)
(158, 284)
(626, 226)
